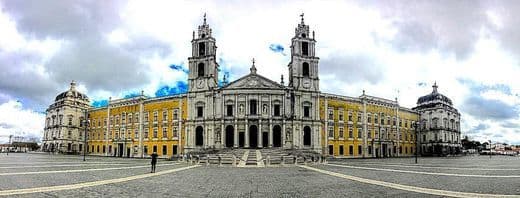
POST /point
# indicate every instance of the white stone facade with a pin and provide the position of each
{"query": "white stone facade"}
(253, 111)
(64, 130)
(439, 130)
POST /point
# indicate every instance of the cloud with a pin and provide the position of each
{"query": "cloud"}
(353, 68)
(19, 121)
(179, 68)
(489, 109)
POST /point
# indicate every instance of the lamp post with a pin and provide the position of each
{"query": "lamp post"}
(86, 123)
(416, 141)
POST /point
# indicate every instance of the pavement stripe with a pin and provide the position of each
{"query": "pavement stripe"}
(60, 165)
(431, 164)
(89, 184)
(406, 187)
(439, 167)
(425, 173)
(81, 170)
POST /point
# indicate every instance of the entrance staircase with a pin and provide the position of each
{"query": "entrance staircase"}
(256, 157)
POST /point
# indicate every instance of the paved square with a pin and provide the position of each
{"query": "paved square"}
(42, 175)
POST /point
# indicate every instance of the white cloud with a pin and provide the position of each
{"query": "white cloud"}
(17, 121)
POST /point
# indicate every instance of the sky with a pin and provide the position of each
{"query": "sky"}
(388, 48)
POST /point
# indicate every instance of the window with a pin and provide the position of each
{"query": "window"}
(341, 150)
(359, 150)
(359, 117)
(145, 132)
(165, 115)
(229, 110)
(276, 110)
(155, 114)
(369, 118)
(164, 132)
(155, 148)
(369, 134)
(175, 114)
(175, 134)
(155, 132)
(200, 112)
(331, 114)
(350, 133)
(341, 135)
(136, 134)
(117, 119)
(136, 118)
(424, 138)
(130, 118)
(306, 111)
(202, 49)
(305, 69)
(70, 120)
(350, 117)
(61, 119)
(146, 117)
(252, 107)
(340, 115)
(145, 149)
(351, 150)
(174, 150)
(331, 131)
(164, 150)
(305, 48)
(200, 70)
(394, 122)
(123, 118)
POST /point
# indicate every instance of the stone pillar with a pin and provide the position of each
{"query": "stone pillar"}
(235, 136)
(246, 145)
(260, 134)
(270, 134)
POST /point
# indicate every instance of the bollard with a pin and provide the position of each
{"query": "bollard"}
(268, 162)
(207, 160)
(295, 160)
(219, 160)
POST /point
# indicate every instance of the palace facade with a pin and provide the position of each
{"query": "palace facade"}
(250, 112)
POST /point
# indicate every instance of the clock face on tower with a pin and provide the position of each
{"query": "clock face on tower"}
(200, 84)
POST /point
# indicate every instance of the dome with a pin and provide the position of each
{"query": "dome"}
(71, 93)
(434, 97)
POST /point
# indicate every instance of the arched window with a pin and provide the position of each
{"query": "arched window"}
(306, 69)
(200, 70)
(202, 49)
(305, 48)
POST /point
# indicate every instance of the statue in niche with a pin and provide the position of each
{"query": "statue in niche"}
(264, 109)
(241, 108)
(217, 136)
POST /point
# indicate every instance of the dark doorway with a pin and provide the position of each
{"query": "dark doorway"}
(253, 136)
(199, 136)
(241, 139)
(384, 154)
(277, 136)
(230, 136)
(265, 139)
(127, 152)
(307, 136)
(120, 149)
(331, 149)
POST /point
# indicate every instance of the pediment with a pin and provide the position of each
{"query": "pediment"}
(253, 81)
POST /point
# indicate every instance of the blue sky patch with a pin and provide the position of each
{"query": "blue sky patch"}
(179, 88)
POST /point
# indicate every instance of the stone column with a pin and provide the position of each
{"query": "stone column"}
(246, 145)
(260, 134)
(270, 134)
(235, 135)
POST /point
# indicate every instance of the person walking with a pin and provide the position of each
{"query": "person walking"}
(154, 161)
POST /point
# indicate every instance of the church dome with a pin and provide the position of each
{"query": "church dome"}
(71, 93)
(434, 97)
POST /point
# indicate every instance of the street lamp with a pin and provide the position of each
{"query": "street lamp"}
(416, 141)
(86, 123)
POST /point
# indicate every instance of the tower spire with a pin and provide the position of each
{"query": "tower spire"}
(253, 67)
(435, 87)
(204, 18)
(301, 15)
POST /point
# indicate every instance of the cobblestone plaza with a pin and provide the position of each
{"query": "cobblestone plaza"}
(44, 175)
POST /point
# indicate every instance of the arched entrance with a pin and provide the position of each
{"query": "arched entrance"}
(277, 136)
(230, 136)
(199, 136)
(253, 136)
(307, 136)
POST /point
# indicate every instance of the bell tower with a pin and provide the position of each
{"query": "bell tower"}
(203, 68)
(303, 68)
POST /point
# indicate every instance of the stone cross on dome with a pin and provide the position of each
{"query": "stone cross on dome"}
(253, 67)
(435, 87)
(301, 15)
